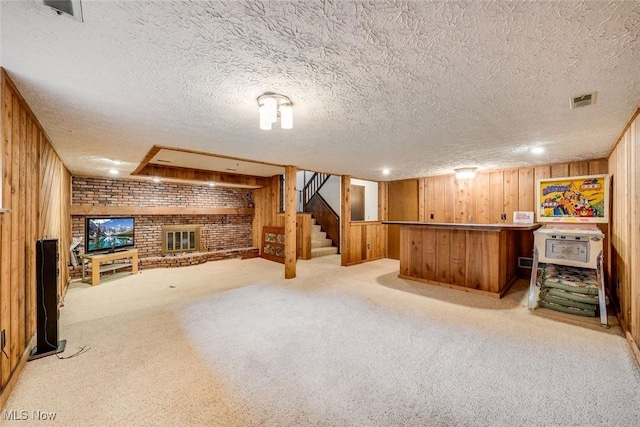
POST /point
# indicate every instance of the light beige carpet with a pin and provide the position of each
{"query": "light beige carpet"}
(232, 343)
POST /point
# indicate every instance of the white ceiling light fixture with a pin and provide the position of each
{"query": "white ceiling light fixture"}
(465, 173)
(386, 171)
(273, 105)
(113, 171)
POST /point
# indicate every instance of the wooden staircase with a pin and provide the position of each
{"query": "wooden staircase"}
(325, 231)
(320, 244)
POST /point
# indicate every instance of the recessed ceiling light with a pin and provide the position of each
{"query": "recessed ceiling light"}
(212, 184)
(386, 171)
(113, 171)
(156, 179)
(537, 150)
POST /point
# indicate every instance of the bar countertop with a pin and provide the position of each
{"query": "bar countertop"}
(466, 226)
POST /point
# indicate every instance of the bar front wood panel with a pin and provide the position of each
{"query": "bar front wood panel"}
(480, 261)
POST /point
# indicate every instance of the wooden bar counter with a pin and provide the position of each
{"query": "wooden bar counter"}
(478, 258)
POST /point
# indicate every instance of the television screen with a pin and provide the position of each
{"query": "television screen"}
(108, 234)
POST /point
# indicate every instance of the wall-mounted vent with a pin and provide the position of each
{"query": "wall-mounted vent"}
(583, 100)
(71, 8)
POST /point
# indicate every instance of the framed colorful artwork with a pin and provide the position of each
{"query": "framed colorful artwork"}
(573, 199)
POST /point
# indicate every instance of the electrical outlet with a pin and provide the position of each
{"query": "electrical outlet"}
(3, 339)
(431, 216)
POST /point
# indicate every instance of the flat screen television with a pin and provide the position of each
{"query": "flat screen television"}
(109, 234)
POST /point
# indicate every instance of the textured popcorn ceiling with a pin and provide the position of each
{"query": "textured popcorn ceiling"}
(418, 87)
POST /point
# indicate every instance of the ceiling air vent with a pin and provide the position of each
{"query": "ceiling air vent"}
(71, 8)
(583, 100)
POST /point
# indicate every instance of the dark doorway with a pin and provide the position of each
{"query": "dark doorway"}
(357, 203)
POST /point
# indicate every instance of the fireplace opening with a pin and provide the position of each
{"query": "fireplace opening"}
(180, 238)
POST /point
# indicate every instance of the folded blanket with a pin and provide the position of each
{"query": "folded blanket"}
(545, 296)
(570, 310)
(589, 299)
(571, 279)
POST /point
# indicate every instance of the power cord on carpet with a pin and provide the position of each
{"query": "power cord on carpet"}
(82, 350)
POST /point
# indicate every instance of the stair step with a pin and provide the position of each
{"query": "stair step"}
(321, 235)
(321, 243)
(318, 252)
(316, 228)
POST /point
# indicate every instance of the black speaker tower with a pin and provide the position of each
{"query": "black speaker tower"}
(47, 300)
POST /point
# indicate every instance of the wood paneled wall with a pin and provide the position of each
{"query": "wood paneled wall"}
(483, 199)
(624, 266)
(303, 233)
(404, 204)
(362, 241)
(266, 201)
(36, 190)
(366, 242)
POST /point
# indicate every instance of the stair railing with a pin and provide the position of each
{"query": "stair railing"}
(314, 185)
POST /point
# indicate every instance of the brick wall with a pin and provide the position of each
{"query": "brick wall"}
(218, 232)
(127, 192)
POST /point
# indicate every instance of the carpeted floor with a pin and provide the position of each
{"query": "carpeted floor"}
(231, 343)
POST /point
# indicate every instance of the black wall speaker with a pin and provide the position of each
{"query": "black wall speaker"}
(47, 300)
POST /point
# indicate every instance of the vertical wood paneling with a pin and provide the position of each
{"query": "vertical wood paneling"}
(438, 197)
(458, 257)
(366, 242)
(36, 189)
(14, 344)
(483, 199)
(465, 201)
(578, 168)
(449, 202)
(511, 189)
(559, 170)
(624, 227)
(599, 166)
(526, 192)
(383, 215)
(403, 206)
(634, 230)
(415, 254)
(421, 199)
(496, 181)
(442, 240)
(266, 201)
(490, 194)
(6, 284)
(429, 199)
(429, 253)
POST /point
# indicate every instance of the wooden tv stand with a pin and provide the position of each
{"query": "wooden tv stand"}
(97, 260)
